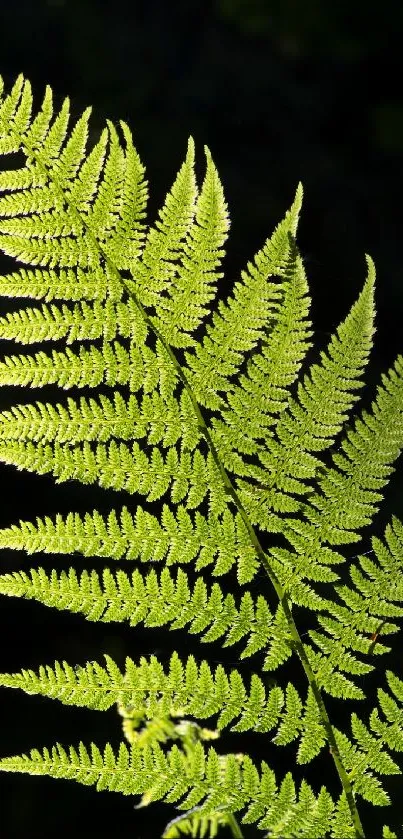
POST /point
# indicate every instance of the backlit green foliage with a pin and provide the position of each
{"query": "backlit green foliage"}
(243, 445)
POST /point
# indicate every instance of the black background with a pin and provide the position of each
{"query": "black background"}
(280, 92)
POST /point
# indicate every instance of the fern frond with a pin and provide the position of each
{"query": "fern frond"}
(16, 109)
(349, 494)
(117, 466)
(87, 368)
(161, 421)
(125, 242)
(165, 241)
(182, 253)
(146, 691)
(224, 429)
(239, 324)
(176, 538)
(83, 322)
(263, 392)
(158, 602)
(194, 824)
(231, 782)
(390, 730)
(357, 763)
(368, 606)
(115, 177)
(311, 423)
(48, 285)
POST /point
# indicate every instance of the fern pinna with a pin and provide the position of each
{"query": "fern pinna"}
(253, 462)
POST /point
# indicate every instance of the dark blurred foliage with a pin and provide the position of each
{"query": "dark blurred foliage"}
(280, 92)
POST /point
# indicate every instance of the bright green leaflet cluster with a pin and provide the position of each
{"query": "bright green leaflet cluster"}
(243, 449)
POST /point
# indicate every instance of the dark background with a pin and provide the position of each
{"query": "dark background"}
(280, 92)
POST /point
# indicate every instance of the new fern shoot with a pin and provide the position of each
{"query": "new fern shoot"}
(247, 450)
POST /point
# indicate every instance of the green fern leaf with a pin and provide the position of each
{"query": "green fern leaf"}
(261, 463)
